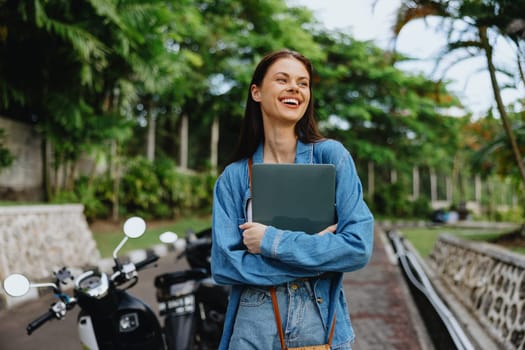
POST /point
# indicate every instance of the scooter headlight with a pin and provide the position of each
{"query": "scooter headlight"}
(128, 322)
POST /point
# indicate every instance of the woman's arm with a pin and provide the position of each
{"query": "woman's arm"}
(349, 248)
(231, 263)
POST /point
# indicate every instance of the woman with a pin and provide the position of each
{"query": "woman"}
(306, 269)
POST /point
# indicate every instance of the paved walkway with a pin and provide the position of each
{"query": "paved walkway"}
(382, 316)
(381, 309)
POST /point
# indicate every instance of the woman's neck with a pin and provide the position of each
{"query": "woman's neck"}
(279, 145)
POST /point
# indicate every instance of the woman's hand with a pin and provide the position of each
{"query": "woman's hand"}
(252, 236)
(329, 229)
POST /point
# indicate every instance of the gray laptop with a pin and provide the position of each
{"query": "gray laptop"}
(296, 197)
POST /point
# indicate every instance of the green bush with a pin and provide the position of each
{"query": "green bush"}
(160, 190)
(176, 187)
(510, 215)
(153, 190)
(141, 191)
(392, 200)
(96, 206)
(203, 191)
(421, 208)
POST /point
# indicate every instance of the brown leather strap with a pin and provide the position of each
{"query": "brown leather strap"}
(279, 324)
(330, 337)
(277, 317)
(250, 163)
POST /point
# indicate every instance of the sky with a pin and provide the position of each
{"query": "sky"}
(366, 22)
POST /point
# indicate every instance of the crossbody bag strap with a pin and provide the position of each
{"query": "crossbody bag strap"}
(277, 317)
(279, 323)
(250, 163)
(331, 336)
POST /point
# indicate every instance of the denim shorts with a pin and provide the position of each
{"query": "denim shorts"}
(255, 327)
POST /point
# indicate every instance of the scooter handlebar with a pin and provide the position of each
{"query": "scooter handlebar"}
(194, 244)
(150, 259)
(34, 325)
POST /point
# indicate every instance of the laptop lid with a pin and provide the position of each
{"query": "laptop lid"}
(296, 197)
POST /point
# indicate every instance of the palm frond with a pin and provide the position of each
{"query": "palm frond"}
(489, 150)
(107, 9)
(9, 94)
(82, 41)
(413, 10)
(450, 49)
(464, 44)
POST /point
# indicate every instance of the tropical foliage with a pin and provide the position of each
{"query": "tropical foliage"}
(119, 82)
(473, 28)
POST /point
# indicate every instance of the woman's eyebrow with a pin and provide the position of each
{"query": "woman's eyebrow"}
(288, 75)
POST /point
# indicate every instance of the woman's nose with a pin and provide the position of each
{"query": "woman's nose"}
(293, 86)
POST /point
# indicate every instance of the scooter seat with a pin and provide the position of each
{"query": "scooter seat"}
(165, 280)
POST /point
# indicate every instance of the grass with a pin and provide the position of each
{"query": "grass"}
(423, 238)
(108, 235)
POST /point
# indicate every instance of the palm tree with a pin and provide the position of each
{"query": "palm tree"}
(484, 20)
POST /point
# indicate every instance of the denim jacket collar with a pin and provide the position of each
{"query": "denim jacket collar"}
(304, 153)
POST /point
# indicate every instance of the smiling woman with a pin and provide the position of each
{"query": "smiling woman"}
(284, 96)
(276, 270)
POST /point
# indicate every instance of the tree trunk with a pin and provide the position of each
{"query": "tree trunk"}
(150, 144)
(114, 169)
(415, 182)
(433, 186)
(477, 189)
(507, 125)
(393, 176)
(214, 151)
(183, 154)
(70, 183)
(520, 69)
(457, 178)
(56, 168)
(46, 182)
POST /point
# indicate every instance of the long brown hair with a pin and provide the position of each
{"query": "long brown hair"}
(252, 132)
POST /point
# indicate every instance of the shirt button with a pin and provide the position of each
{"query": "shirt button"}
(319, 300)
(294, 286)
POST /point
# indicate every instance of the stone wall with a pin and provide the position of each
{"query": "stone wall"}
(489, 281)
(36, 240)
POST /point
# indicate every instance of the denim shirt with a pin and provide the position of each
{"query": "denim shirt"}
(288, 255)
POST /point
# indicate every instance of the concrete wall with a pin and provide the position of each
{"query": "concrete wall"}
(36, 240)
(489, 281)
(23, 179)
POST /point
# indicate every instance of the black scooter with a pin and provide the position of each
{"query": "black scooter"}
(110, 317)
(192, 304)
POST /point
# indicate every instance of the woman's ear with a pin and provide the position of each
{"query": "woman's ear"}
(256, 93)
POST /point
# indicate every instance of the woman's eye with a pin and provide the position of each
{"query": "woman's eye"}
(281, 80)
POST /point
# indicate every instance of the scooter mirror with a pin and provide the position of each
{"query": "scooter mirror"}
(134, 227)
(168, 237)
(16, 285)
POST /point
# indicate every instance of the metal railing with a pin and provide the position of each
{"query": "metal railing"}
(443, 328)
